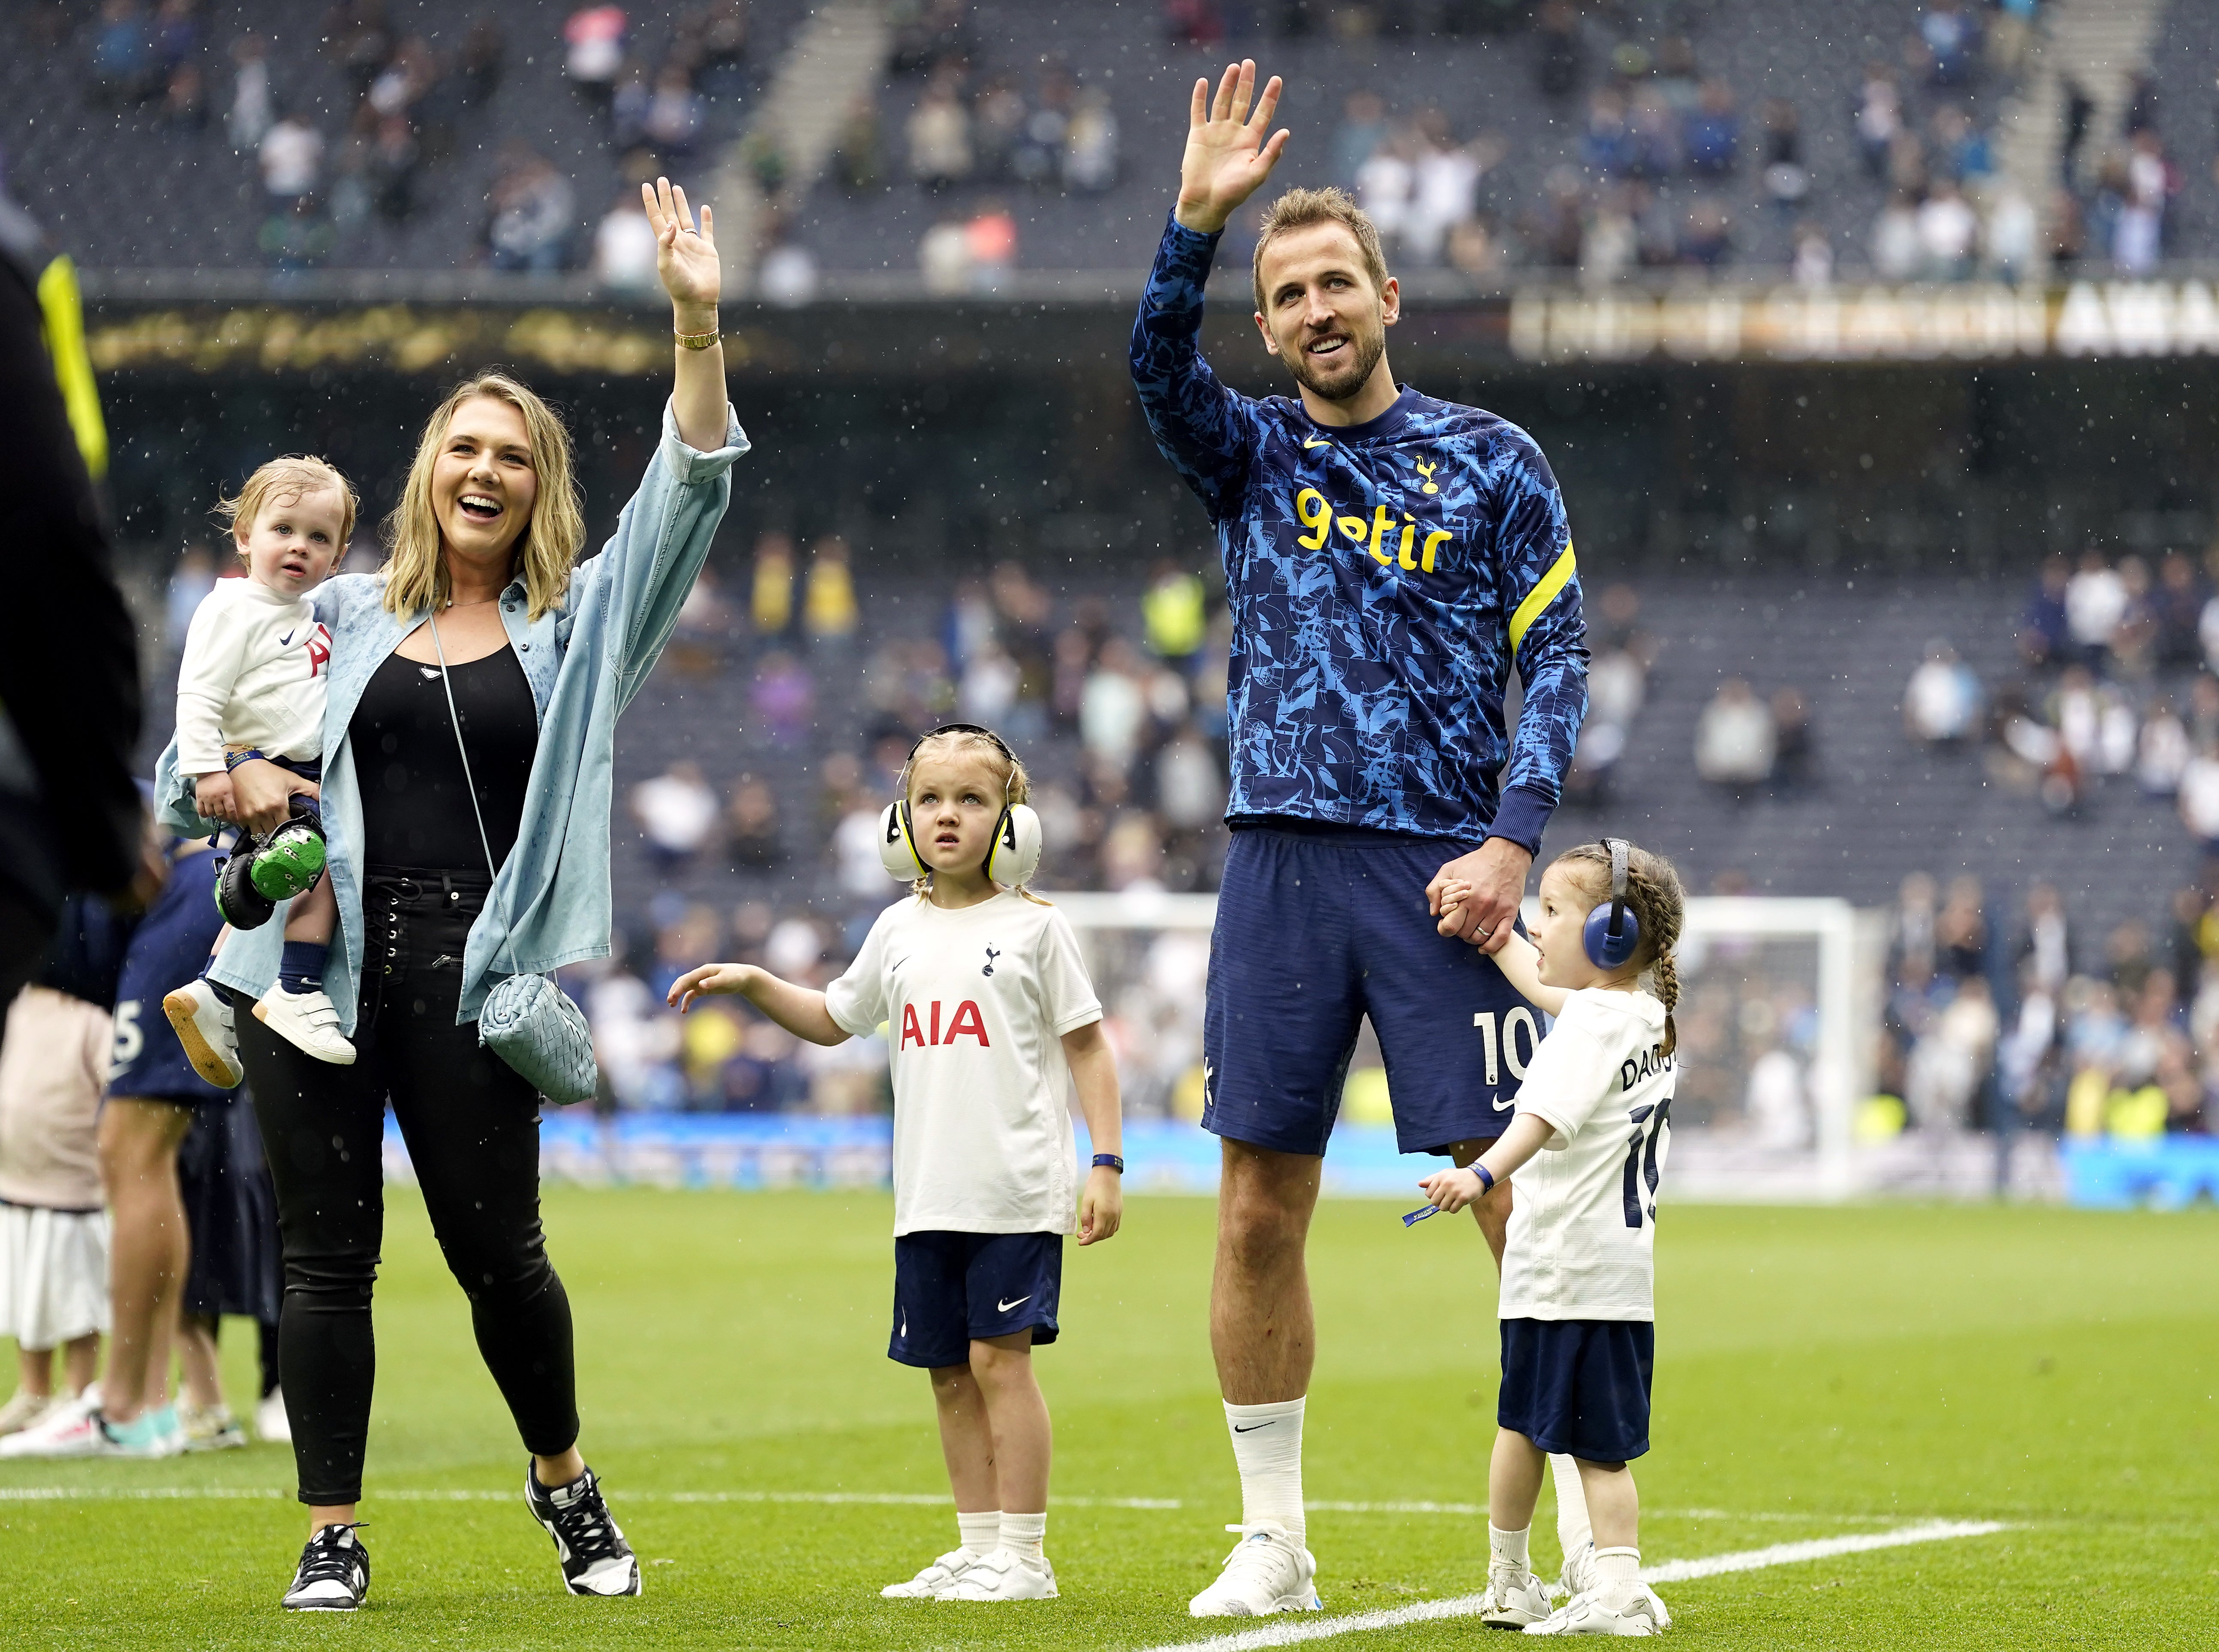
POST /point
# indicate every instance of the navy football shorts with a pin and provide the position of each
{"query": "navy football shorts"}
(1317, 929)
(1579, 1386)
(166, 951)
(950, 1288)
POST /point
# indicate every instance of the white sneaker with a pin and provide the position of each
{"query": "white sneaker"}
(1003, 1575)
(76, 1429)
(1515, 1598)
(202, 1019)
(210, 1428)
(1588, 1614)
(936, 1577)
(270, 1422)
(1267, 1572)
(24, 1409)
(307, 1021)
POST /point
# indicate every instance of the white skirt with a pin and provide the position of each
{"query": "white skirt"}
(53, 1275)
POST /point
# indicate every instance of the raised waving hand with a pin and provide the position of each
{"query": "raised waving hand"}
(1228, 157)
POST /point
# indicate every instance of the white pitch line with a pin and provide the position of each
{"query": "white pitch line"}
(887, 1500)
(1293, 1631)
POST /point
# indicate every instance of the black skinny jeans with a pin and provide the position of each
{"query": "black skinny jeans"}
(472, 1128)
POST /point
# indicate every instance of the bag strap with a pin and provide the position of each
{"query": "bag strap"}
(470, 785)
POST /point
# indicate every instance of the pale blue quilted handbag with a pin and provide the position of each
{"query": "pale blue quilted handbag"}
(526, 1020)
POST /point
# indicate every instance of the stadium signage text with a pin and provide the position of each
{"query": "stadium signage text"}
(1977, 321)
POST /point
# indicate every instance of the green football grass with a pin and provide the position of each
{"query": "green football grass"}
(1819, 1372)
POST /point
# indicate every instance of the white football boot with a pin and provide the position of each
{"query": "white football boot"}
(1589, 1614)
(1267, 1572)
(1003, 1575)
(202, 1018)
(308, 1021)
(934, 1578)
(1514, 1598)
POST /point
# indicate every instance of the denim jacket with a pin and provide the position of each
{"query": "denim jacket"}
(585, 658)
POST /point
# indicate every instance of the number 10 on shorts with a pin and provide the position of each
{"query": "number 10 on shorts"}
(1500, 1039)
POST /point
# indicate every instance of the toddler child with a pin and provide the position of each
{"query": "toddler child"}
(251, 685)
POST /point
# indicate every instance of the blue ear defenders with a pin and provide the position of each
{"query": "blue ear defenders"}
(1613, 935)
(1014, 851)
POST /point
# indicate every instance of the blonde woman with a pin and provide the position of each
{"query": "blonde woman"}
(540, 656)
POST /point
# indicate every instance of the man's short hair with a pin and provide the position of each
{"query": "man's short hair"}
(1299, 209)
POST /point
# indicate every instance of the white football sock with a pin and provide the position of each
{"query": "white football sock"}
(980, 1531)
(1572, 1529)
(1507, 1548)
(1617, 1576)
(1267, 1445)
(1024, 1534)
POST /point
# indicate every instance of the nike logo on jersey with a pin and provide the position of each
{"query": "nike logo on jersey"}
(1252, 1427)
(1504, 1107)
(1314, 441)
(1004, 1308)
(286, 641)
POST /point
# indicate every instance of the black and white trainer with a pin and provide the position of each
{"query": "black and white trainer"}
(596, 1559)
(334, 1573)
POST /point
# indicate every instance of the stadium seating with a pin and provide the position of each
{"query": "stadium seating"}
(127, 190)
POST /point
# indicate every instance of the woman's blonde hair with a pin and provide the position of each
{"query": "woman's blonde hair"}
(416, 576)
(287, 480)
(1017, 786)
(1660, 906)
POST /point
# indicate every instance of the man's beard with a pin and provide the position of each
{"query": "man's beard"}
(1337, 383)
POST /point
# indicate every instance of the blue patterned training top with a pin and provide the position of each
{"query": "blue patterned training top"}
(1382, 579)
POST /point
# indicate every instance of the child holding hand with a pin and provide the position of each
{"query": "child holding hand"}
(992, 1020)
(1587, 1146)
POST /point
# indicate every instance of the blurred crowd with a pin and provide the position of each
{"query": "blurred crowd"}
(2009, 1026)
(2114, 685)
(1116, 702)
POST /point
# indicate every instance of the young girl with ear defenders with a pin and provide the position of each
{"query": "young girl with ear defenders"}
(982, 995)
(1578, 1307)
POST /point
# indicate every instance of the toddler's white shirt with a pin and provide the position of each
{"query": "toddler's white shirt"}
(975, 1002)
(1583, 1237)
(254, 674)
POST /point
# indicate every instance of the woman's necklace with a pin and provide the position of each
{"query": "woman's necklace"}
(480, 602)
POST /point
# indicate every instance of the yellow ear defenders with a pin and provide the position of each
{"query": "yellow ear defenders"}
(1013, 854)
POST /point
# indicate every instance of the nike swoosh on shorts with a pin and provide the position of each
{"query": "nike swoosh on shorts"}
(1504, 1107)
(1004, 1308)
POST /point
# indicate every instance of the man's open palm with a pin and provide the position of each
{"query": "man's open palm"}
(1227, 157)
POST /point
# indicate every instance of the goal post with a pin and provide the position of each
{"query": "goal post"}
(1773, 1055)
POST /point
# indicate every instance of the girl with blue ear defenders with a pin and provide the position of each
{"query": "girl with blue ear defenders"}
(978, 989)
(1588, 1144)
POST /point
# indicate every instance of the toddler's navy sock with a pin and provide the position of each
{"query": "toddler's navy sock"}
(301, 968)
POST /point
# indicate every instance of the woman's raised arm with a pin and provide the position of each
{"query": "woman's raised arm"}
(686, 259)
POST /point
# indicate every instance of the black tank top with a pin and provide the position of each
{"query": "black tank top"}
(414, 811)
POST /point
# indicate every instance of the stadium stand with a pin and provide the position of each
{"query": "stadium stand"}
(1636, 146)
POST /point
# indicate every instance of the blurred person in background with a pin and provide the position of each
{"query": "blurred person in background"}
(676, 810)
(53, 1230)
(1736, 739)
(1943, 702)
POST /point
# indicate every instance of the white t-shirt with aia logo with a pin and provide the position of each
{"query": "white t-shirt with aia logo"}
(975, 1002)
(1582, 1239)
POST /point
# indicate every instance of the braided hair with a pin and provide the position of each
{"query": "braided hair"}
(1660, 905)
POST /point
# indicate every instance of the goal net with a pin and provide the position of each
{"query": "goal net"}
(1771, 1059)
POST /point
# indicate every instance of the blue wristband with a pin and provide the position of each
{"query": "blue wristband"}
(1111, 1161)
(232, 759)
(1486, 1177)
